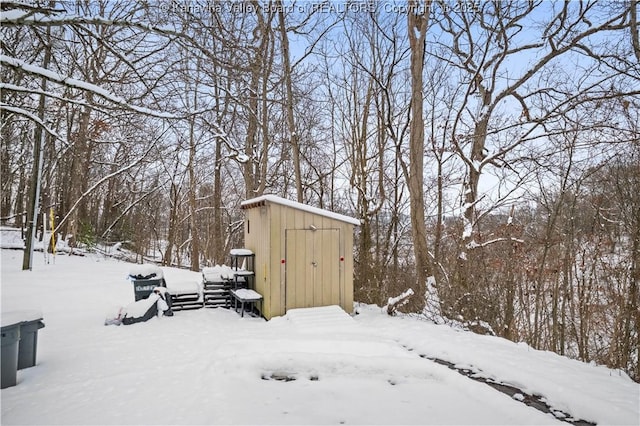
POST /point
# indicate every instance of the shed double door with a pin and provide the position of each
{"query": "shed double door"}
(312, 276)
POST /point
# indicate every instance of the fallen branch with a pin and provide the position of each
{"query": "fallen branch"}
(396, 302)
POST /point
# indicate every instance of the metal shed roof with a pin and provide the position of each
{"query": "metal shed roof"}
(262, 200)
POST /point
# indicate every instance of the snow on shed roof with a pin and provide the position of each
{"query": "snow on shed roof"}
(260, 201)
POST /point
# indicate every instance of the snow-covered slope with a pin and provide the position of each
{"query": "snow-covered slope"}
(210, 366)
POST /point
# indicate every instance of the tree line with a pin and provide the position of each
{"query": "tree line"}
(490, 149)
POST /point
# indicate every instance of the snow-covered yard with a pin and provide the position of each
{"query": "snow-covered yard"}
(210, 366)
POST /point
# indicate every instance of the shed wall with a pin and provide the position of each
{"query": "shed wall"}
(257, 239)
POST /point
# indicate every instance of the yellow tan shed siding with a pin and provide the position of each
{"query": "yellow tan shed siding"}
(257, 240)
(348, 269)
(275, 256)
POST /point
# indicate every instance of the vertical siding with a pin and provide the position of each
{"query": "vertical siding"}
(276, 277)
(258, 241)
(348, 268)
(330, 257)
(263, 265)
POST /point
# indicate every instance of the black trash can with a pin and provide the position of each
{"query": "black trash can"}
(145, 278)
(28, 346)
(10, 343)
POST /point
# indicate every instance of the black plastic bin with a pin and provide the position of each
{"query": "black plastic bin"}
(28, 346)
(10, 344)
(145, 278)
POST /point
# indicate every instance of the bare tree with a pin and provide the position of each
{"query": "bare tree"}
(289, 101)
(484, 44)
(417, 24)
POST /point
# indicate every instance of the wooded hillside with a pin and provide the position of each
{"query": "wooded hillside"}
(489, 147)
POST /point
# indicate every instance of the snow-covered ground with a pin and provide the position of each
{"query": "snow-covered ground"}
(210, 366)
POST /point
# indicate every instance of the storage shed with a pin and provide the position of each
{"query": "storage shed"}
(303, 254)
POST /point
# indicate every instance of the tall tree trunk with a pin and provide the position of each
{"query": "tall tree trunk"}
(79, 167)
(255, 169)
(173, 223)
(635, 37)
(36, 172)
(193, 223)
(252, 132)
(293, 135)
(418, 19)
(20, 193)
(218, 228)
(6, 175)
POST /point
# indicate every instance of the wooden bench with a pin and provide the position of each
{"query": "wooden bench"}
(244, 296)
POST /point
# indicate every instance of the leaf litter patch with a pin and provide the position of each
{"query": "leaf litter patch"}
(283, 376)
